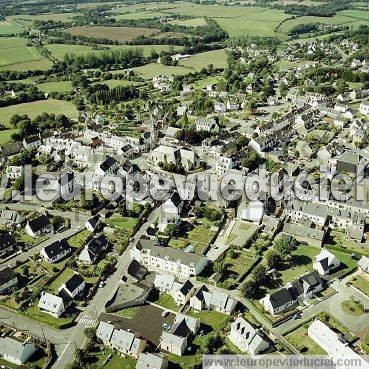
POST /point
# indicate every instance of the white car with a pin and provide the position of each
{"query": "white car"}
(164, 313)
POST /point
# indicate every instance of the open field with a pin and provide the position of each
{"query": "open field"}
(35, 108)
(8, 28)
(198, 61)
(16, 55)
(6, 135)
(148, 71)
(194, 22)
(57, 17)
(112, 33)
(140, 15)
(60, 86)
(58, 51)
(358, 14)
(361, 283)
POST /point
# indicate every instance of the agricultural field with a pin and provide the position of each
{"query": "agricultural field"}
(112, 83)
(5, 135)
(57, 17)
(16, 55)
(140, 15)
(8, 28)
(193, 22)
(148, 71)
(358, 14)
(60, 86)
(218, 58)
(35, 108)
(112, 33)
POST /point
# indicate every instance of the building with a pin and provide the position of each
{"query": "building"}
(326, 262)
(56, 251)
(212, 300)
(93, 223)
(183, 294)
(93, 250)
(333, 344)
(168, 260)
(51, 304)
(8, 244)
(8, 279)
(223, 164)
(14, 172)
(147, 360)
(74, 286)
(16, 351)
(123, 341)
(177, 339)
(37, 226)
(207, 124)
(363, 264)
(253, 212)
(364, 108)
(305, 234)
(247, 338)
(108, 166)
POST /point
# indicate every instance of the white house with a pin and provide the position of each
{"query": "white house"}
(325, 262)
(108, 166)
(168, 260)
(364, 108)
(207, 124)
(247, 338)
(147, 360)
(51, 304)
(223, 164)
(220, 107)
(37, 226)
(93, 223)
(16, 351)
(14, 172)
(74, 286)
(363, 264)
(253, 212)
(93, 250)
(183, 294)
(56, 251)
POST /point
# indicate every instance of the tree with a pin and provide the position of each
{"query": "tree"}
(272, 259)
(259, 274)
(284, 246)
(249, 288)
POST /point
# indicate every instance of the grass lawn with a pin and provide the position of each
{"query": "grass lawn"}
(340, 240)
(211, 80)
(140, 15)
(354, 308)
(8, 28)
(179, 243)
(112, 83)
(185, 362)
(300, 339)
(100, 357)
(60, 86)
(361, 284)
(301, 263)
(117, 362)
(198, 61)
(79, 239)
(332, 322)
(62, 278)
(118, 221)
(32, 109)
(128, 313)
(5, 136)
(8, 364)
(193, 22)
(35, 314)
(200, 237)
(167, 302)
(346, 259)
(214, 319)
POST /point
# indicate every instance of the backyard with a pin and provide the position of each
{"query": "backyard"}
(361, 283)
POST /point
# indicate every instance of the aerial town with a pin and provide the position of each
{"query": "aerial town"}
(183, 179)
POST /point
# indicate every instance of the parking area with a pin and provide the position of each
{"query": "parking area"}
(147, 322)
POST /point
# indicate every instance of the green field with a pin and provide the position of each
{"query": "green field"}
(140, 15)
(62, 278)
(112, 83)
(60, 86)
(16, 55)
(6, 135)
(59, 50)
(8, 28)
(57, 17)
(198, 61)
(358, 14)
(361, 284)
(148, 71)
(35, 108)
(193, 22)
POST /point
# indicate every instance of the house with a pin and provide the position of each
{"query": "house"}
(207, 124)
(93, 250)
(147, 360)
(8, 244)
(171, 211)
(223, 164)
(168, 260)
(66, 184)
(11, 218)
(93, 223)
(108, 166)
(253, 212)
(16, 351)
(74, 286)
(37, 226)
(247, 338)
(123, 341)
(176, 340)
(364, 108)
(51, 304)
(214, 300)
(32, 142)
(182, 110)
(363, 264)
(279, 301)
(232, 105)
(305, 233)
(164, 282)
(182, 295)
(56, 251)
(334, 344)
(325, 262)
(8, 279)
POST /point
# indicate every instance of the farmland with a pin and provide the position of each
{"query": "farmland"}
(61, 86)
(35, 108)
(194, 22)
(16, 55)
(58, 51)
(217, 57)
(148, 71)
(140, 15)
(57, 17)
(8, 28)
(112, 33)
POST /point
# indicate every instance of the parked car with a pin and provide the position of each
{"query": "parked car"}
(166, 326)
(164, 313)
